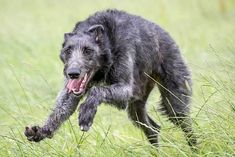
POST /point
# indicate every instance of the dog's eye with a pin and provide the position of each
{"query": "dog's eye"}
(87, 51)
(68, 50)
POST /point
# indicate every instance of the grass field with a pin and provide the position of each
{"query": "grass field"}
(31, 33)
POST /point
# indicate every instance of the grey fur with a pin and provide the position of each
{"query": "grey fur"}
(123, 48)
(65, 106)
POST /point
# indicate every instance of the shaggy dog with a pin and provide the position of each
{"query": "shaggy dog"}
(114, 57)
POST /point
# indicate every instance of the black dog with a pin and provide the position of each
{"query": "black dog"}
(127, 54)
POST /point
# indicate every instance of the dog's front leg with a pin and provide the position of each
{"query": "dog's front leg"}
(66, 104)
(116, 94)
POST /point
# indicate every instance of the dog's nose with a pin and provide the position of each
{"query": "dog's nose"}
(74, 73)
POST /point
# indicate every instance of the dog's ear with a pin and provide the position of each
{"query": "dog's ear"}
(97, 31)
(67, 35)
(76, 27)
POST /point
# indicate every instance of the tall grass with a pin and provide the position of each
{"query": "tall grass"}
(31, 34)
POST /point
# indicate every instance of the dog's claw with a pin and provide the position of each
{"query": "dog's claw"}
(84, 128)
(81, 127)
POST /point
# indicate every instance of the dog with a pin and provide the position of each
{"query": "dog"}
(117, 58)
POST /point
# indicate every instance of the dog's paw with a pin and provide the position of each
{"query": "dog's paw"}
(87, 113)
(34, 133)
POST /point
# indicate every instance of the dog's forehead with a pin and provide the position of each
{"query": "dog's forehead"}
(79, 39)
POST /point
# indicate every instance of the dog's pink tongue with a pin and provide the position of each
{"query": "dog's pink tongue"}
(73, 85)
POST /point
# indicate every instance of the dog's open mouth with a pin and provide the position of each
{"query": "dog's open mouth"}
(78, 86)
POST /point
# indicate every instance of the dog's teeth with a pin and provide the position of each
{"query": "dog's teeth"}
(85, 78)
(83, 81)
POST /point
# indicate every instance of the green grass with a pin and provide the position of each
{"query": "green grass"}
(31, 34)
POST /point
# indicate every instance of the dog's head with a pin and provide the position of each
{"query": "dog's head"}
(83, 54)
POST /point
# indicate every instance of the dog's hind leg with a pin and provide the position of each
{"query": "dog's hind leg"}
(174, 82)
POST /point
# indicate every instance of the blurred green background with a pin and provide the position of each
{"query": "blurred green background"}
(31, 33)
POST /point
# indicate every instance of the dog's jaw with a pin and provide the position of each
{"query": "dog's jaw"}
(78, 86)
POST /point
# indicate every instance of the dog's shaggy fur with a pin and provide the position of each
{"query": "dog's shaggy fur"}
(122, 54)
